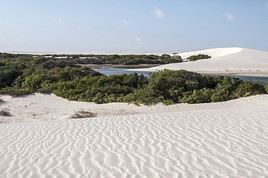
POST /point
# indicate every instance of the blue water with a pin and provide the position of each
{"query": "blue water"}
(252, 78)
(117, 71)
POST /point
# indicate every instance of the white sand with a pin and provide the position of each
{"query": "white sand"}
(227, 139)
(223, 61)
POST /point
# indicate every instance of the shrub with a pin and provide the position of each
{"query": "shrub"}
(198, 57)
(266, 88)
(15, 91)
(177, 58)
(248, 89)
(5, 113)
(8, 76)
(33, 82)
(198, 96)
(83, 114)
(144, 96)
(220, 94)
(171, 59)
(170, 85)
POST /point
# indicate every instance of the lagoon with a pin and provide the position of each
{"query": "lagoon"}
(118, 71)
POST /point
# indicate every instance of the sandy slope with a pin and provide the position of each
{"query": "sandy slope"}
(207, 140)
(50, 107)
(224, 60)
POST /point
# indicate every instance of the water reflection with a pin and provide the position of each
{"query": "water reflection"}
(117, 71)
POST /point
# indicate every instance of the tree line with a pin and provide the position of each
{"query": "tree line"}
(25, 75)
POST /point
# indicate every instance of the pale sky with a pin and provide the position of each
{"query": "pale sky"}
(134, 26)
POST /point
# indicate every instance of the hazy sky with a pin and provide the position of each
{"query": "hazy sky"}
(107, 26)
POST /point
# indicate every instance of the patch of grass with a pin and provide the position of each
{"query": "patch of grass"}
(83, 114)
(5, 113)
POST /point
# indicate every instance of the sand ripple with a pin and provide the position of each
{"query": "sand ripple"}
(178, 144)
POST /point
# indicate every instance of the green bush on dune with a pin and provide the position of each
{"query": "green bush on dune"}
(165, 86)
(266, 88)
(23, 76)
(198, 57)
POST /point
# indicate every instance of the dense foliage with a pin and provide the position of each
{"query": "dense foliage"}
(24, 75)
(198, 57)
(99, 59)
(188, 87)
(127, 59)
(266, 88)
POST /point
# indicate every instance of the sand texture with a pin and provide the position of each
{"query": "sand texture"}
(227, 139)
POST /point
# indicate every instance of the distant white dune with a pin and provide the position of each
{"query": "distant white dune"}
(224, 60)
(226, 139)
(216, 52)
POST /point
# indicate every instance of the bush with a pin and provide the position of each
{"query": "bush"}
(15, 91)
(266, 88)
(177, 58)
(83, 114)
(198, 96)
(171, 85)
(221, 94)
(5, 113)
(198, 57)
(144, 96)
(33, 82)
(7, 77)
(248, 89)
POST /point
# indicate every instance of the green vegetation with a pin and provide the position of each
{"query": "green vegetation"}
(63, 59)
(187, 87)
(23, 75)
(198, 57)
(266, 88)
(124, 59)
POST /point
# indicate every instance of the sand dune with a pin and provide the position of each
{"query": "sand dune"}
(209, 140)
(40, 107)
(223, 61)
(215, 52)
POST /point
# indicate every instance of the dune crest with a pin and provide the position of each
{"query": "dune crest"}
(215, 52)
(239, 61)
